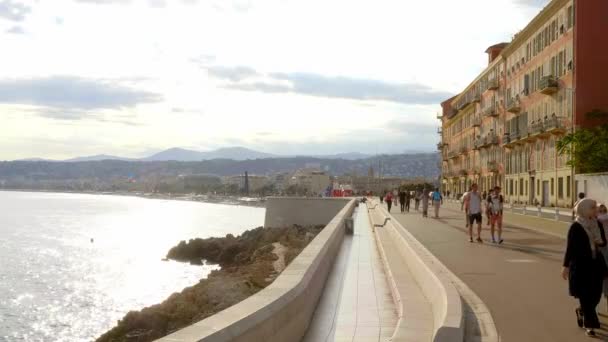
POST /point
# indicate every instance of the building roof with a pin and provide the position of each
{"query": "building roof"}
(497, 46)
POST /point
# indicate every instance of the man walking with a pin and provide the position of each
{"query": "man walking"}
(437, 201)
(472, 204)
(408, 198)
(402, 197)
(495, 205)
(466, 214)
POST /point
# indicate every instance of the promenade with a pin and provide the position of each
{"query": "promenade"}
(519, 280)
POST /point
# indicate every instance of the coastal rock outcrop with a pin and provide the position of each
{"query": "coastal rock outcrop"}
(249, 262)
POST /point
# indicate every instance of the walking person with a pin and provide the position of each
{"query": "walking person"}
(584, 266)
(417, 200)
(424, 198)
(602, 216)
(437, 201)
(389, 200)
(462, 208)
(495, 206)
(402, 197)
(408, 198)
(472, 203)
(381, 198)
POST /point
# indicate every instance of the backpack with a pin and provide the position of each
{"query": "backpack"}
(436, 196)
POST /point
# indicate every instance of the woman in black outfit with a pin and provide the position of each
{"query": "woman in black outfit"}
(584, 265)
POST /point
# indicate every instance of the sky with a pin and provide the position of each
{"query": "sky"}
(134, 77)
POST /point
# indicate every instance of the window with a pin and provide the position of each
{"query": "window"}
(552, 186)
(568, 181)
(511, 187)
(560, 187)
(521, 186)
(570, 17)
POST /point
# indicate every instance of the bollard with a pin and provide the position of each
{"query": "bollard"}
(525, 209)
(556, 214)
(539, 211)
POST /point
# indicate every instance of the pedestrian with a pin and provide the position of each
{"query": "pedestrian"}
(495, 206)
(584, 266)
(389, 200)
(424, 198)
(408, 198)
(603, 218)
(417, 197)
(462, 208)
(488, 209)
(437, 201)
(472, 203)
(402, 197)
(381, 198)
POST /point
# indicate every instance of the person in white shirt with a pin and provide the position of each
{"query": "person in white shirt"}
(466, 214)
(472, 204)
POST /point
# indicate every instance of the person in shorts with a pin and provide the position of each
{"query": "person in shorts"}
(495, 205)
(472, 204)
(466, 214)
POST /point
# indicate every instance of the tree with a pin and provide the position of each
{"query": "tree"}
(587, 148)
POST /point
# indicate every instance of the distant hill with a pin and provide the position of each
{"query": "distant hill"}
(233, 153)
(96, 158)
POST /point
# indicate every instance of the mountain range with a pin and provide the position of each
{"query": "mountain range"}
(232, 153)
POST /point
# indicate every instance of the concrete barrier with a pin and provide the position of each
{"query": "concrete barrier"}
(448, 311)
(282, 311)
(283, 211)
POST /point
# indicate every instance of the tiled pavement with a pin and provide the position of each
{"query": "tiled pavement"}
(356, 305)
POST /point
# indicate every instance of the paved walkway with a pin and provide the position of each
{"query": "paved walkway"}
(519, 280)
(356, 305)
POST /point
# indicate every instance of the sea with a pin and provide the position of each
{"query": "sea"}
(72, 265)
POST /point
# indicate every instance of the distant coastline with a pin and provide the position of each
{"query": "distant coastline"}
(213, 199)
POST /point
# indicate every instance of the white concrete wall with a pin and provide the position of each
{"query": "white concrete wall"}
(594, 185)
(286, 211)
(282, 311)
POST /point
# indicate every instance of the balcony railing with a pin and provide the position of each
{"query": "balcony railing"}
(555, 125)
(476, 121)
(464, 149)
(490, 111)
(440, 146)
(493, 166)
(439, 116)
(513, 105)
(439, 130)
(536, 127)
(493, 84)
(514, 136)
(463, 172)
(452, 154)
(548, 85)
(476, 98)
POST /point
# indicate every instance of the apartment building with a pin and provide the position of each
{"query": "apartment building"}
(502, 129)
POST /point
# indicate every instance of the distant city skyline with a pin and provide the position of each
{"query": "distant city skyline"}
(130, 78)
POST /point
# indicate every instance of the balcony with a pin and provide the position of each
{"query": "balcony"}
(452, 154)
(506, 140)
(555, 125)
(463, 172)
(515, 137)
(513, 105)
(439, 130)
(490, 111)
(463, 149)
(439, 146)
(476, 121)
(493, 166)
(491, 139)
(439, 117)
(493, 84)
(476, 98)
(548, 85)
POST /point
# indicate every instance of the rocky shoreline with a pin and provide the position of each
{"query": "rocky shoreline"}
(249, 262)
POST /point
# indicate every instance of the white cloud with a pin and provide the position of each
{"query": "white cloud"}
(323, 74)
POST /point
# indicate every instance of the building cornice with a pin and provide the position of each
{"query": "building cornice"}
(536, 23)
